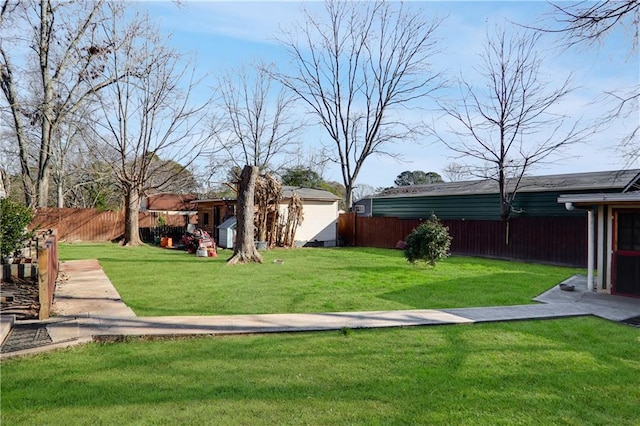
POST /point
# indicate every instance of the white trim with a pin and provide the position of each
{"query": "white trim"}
(609, 245)
(632, 197)
(591, 248)
(601, 244)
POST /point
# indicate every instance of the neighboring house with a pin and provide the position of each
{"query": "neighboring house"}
(613, 229)
(320, 210)
(176, 209)
(480, 199)
(213, 212)
(539, 229)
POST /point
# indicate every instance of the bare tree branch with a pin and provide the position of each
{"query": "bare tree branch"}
(590, 22)
(508, 123)
(358, 68)
(146, 113)
(258, 125)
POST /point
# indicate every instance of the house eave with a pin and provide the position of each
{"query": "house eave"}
(586, 200)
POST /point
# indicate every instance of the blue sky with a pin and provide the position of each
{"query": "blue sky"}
(226, 35)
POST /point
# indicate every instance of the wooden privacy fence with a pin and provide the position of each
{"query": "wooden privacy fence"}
(92, 224)
(558, 240)
(47, 273)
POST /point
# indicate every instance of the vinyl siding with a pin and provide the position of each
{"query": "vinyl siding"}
(473, 207)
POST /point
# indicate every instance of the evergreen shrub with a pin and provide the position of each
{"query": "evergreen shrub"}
(429, 242)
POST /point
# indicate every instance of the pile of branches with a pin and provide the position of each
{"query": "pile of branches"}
(267, 197)
(20, 297)
(289, 222)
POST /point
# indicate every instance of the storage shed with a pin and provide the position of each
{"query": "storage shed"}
(227, 233)
(320, 210)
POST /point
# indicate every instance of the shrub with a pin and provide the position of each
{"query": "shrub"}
(429, 242)
(14, 217)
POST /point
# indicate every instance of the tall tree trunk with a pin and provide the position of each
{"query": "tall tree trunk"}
(44, 162)
(8, 87)
(131, 210)
(60, 193)
(244, 250)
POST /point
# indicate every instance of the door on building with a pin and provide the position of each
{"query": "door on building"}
(626, 253)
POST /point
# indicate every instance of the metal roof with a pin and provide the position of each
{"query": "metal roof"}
(622, 180)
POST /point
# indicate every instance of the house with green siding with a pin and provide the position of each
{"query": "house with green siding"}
(480, 199)
(541, 228)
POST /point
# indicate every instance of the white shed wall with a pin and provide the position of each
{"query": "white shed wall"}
(320, 221)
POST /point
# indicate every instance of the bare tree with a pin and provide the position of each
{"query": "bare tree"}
(509, 123)
(60, 59)
(589, 22)
(363, 190)
(67, 141)
(455, 172)
(356, 69)
(258, 123)
(146, 112)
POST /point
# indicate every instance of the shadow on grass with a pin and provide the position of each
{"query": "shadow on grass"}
(525, 372)
(497, 289)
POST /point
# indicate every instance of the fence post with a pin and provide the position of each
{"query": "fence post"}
(43, 283)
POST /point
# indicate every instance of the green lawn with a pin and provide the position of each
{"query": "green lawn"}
(579, 371)
(160, 282)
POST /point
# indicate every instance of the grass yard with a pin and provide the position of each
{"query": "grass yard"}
(579, 371)
(160, 282)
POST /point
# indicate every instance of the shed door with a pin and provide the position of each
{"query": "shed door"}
(626, 255)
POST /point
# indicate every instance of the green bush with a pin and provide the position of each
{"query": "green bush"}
(14, 217)
(429, 242)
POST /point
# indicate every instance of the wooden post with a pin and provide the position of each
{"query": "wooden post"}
(43, 283)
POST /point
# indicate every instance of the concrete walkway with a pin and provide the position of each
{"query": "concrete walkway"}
(88, 307)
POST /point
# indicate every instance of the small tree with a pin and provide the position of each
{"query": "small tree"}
(429, 242)
(508, 122)
(14, 217)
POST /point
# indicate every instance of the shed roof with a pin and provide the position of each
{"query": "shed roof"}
(310, 194)
(622, 180)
